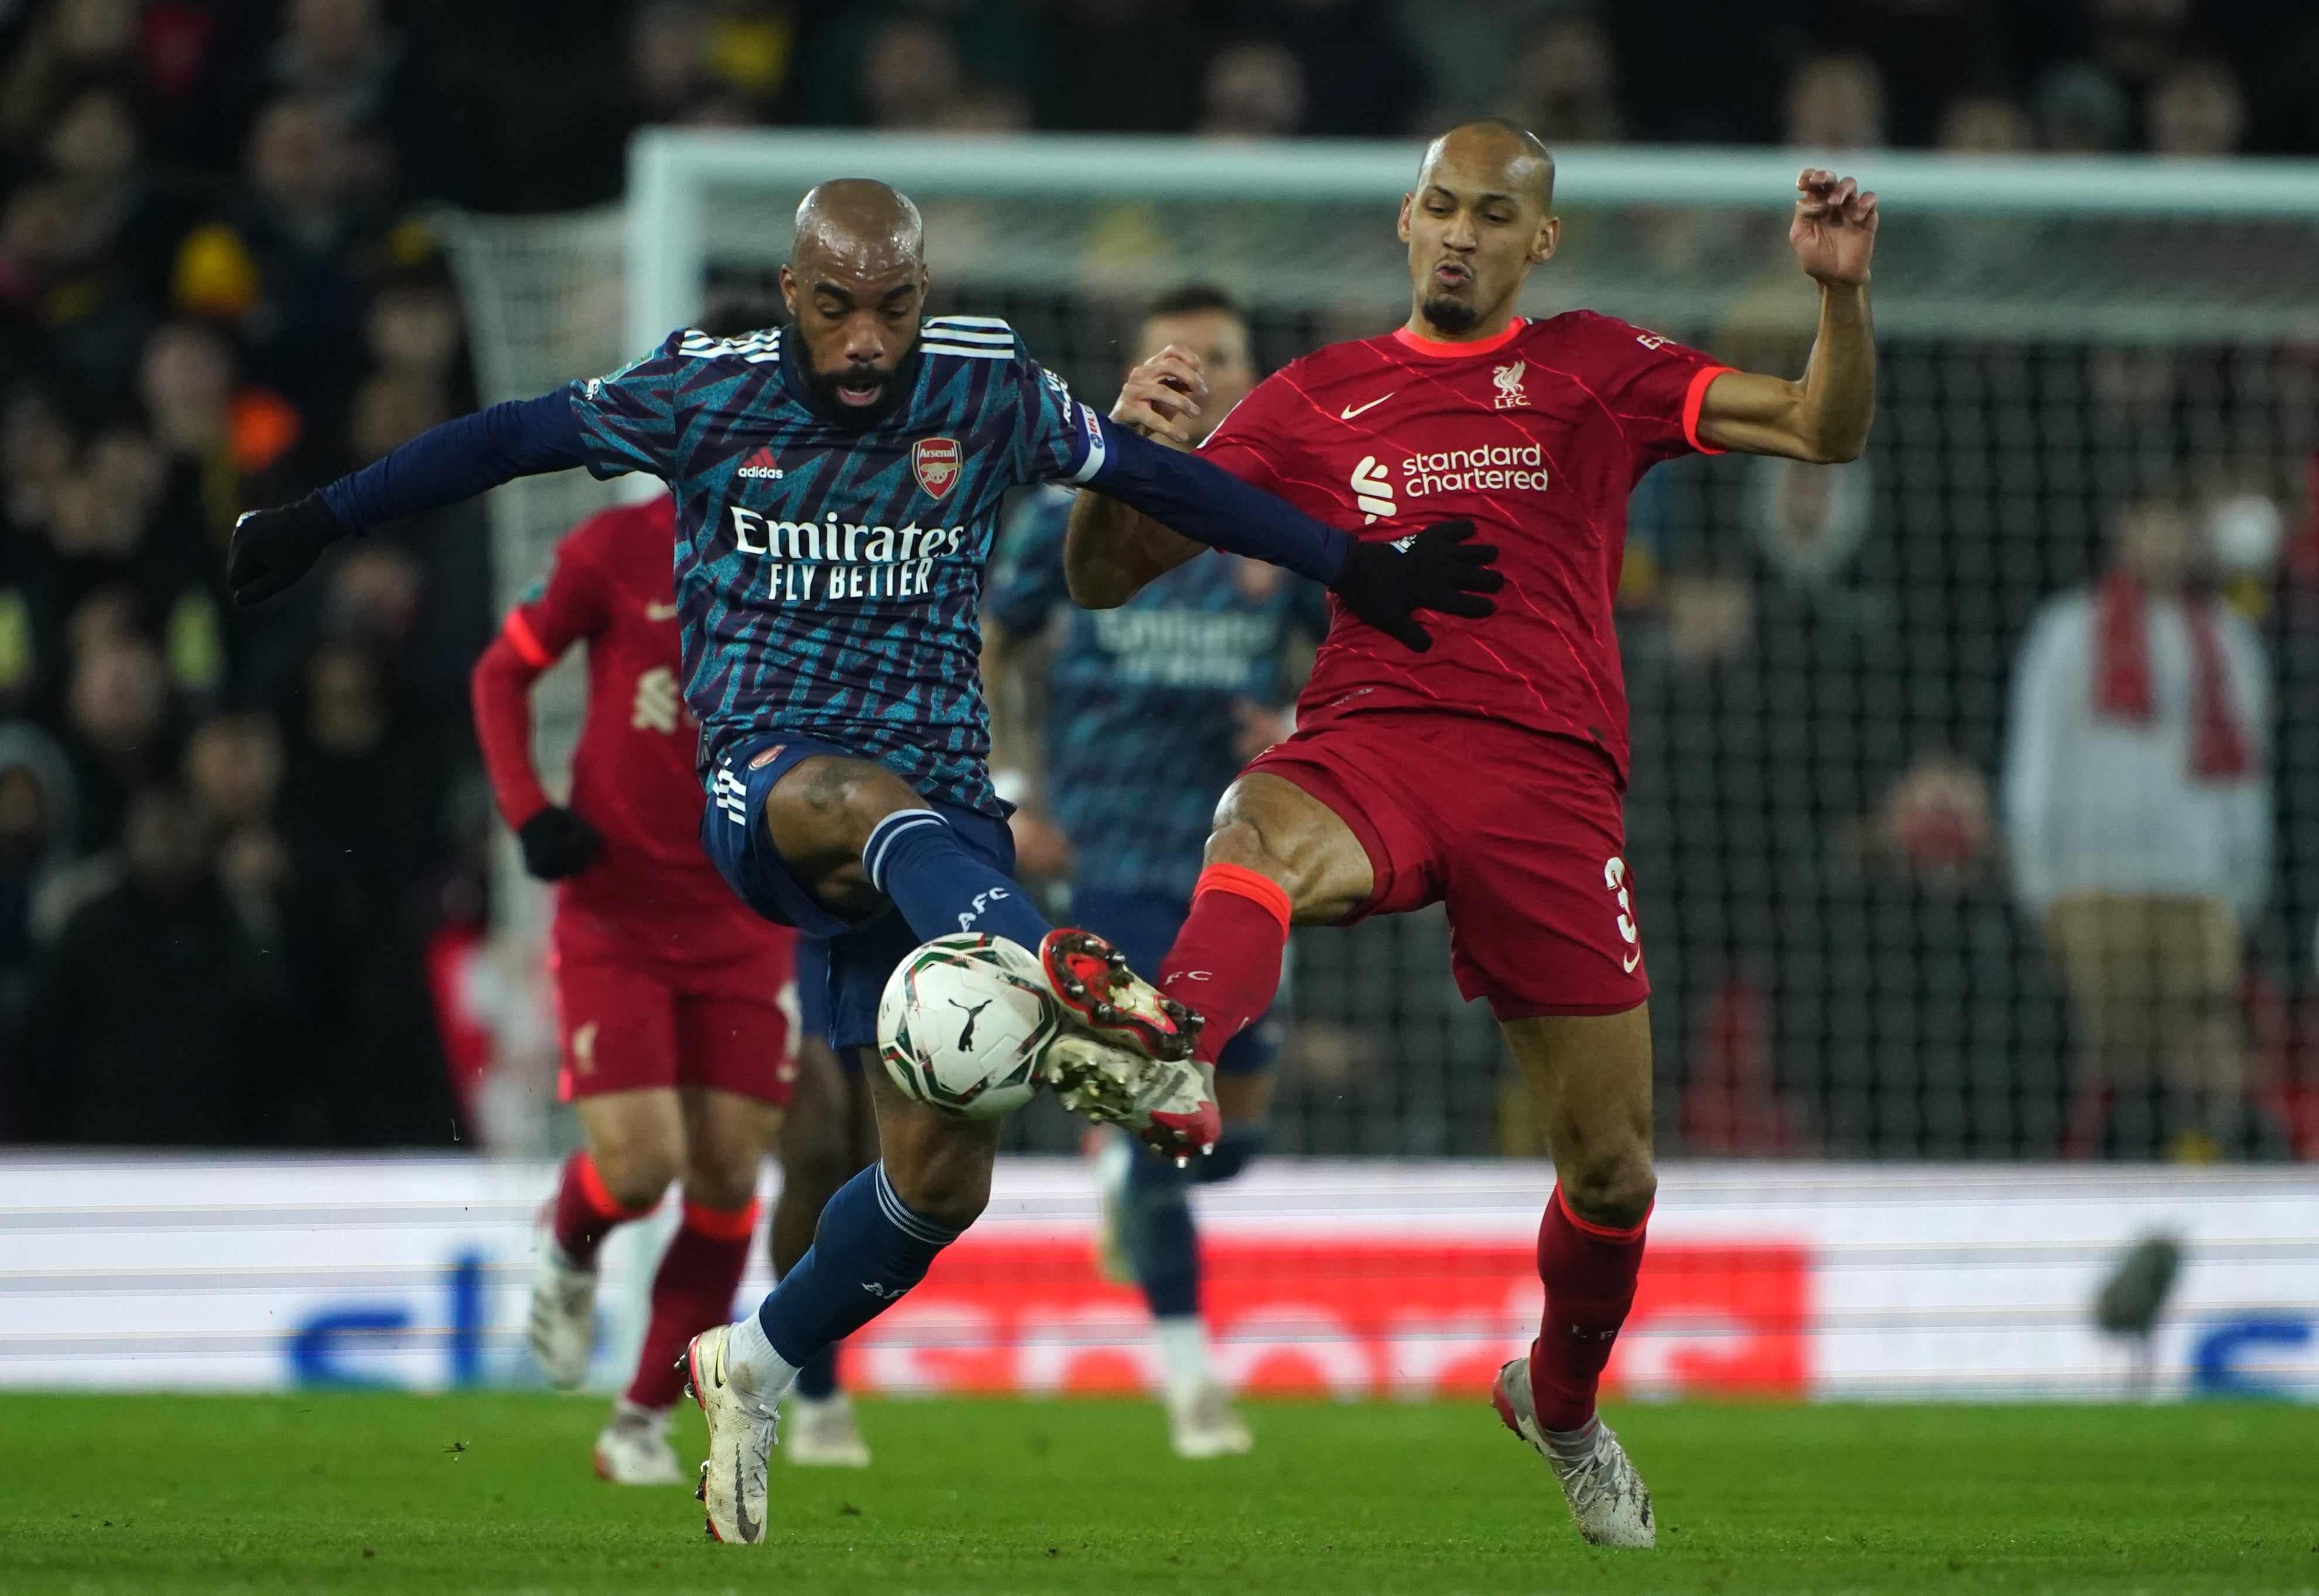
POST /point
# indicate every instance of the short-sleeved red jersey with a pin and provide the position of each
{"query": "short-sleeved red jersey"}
(1538, 436)
(632, 774)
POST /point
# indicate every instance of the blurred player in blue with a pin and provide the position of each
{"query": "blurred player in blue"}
(1150, 710)
(837, 486)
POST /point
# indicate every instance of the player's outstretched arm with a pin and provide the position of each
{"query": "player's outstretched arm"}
(273, 548)
(1384, 583)
(1825, 418)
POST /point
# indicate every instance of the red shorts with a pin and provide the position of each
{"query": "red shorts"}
(1520, 834)
(633, 1019)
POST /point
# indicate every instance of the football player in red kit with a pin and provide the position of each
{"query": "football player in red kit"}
(1486, 772)
(671, 992)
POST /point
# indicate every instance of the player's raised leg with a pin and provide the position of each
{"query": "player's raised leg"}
(1278, 855)
(1592, 1078)
(860, 834)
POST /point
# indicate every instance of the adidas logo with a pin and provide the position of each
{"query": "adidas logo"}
(761, 464)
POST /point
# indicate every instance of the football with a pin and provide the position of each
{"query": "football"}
(963, 1024)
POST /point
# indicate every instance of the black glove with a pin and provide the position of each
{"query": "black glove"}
(1436, 569)
(273, 548)
(556, 843)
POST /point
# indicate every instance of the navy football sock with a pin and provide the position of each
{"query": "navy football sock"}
(816, 1377)
(1155, 1230)
(942, 887)
(871, 1250)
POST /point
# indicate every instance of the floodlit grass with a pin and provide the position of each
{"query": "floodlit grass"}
(476, 1492)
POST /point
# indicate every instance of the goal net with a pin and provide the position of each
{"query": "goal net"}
(1820, 660)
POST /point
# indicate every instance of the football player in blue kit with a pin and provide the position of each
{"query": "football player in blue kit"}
(837, 486)
(1150, 711)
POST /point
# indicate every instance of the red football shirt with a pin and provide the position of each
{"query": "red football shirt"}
(1538, 436)
(632, 775)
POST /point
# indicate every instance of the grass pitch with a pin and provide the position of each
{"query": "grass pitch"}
(473, 1492)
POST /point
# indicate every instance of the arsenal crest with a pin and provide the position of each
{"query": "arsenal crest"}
(936, 461)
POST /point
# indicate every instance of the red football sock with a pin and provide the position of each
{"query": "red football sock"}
(1225, 964)
(586, 1211)
(1589, 1271)
(699, 1274)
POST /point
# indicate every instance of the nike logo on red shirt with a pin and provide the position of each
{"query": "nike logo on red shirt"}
(1350, 411)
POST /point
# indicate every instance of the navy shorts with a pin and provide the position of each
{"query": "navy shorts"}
(855, 957)
(1143, 926)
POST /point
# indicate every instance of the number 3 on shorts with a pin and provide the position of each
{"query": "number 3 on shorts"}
(1614, 878)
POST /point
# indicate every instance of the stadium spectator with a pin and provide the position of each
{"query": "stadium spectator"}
(2138, 807)
(1120, 67)
(2195, 109)
(2081, 110)
(344, 56)
(1459, 47)
(1984, 124)
(912, 81)
(153, 1022)
(1361, 80)
(1251, 90)
(117, 716)
(277, 265)
(1929, 53)
(1566, 84)
(36, 844)
(1836, 101)
(362, 806)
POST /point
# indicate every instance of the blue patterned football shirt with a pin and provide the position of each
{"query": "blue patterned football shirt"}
(829, 578)
(1142, 728)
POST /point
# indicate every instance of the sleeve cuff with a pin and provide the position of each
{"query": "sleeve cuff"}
(1693, 398)
(526, 642)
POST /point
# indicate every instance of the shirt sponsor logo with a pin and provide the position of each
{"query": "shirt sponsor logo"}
(1485, 468)
(760, 466)
(1372, 488)
(1350, 411)
(832, 559)
(936, 461)
(1509, 379)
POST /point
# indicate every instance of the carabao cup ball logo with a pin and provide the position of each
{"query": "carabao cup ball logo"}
(936, 461)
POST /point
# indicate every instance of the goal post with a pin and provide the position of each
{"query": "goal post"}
(1818, 659)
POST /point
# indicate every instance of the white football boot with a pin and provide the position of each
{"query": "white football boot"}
(633, 1449)
(824, 1434)
(1169, 1104)
(741, 1428)
(1203, 1423)
(1102, 996)
(563, 1313)
(1608, 1499)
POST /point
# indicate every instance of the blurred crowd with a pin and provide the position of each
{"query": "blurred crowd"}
(233, 849)
(243, 857)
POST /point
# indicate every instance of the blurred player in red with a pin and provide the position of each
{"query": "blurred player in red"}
(670, 993)
(1486, 774)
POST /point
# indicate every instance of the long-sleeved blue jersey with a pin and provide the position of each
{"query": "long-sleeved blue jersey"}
(829, 575)
(829, 578)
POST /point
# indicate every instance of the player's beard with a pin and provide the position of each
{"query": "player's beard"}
(1450, 315)
(861, 418)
